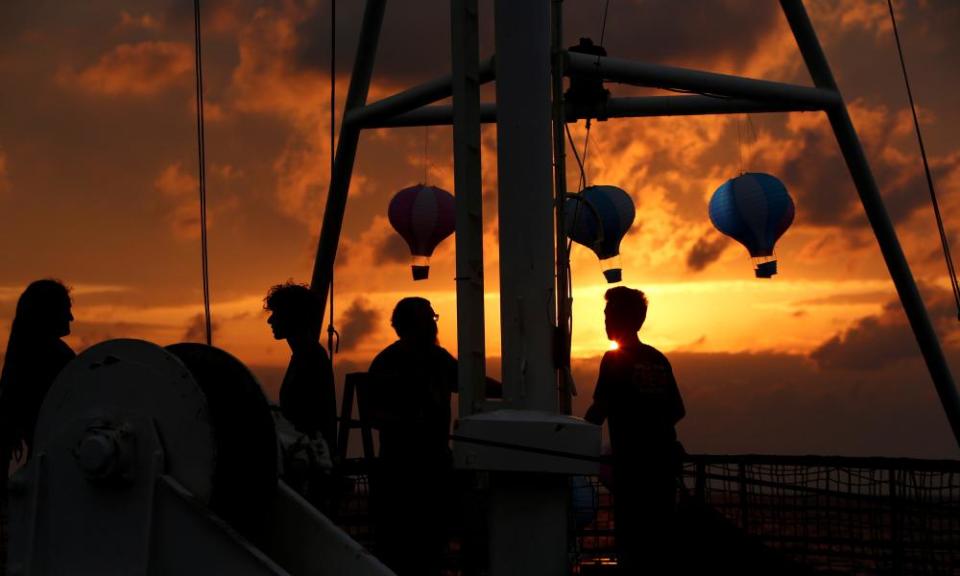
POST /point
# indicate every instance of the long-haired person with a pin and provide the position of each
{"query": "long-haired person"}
(35, 355)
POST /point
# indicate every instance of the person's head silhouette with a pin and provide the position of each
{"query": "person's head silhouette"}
(415, 321)
(624, 314)
(294, 311)
(43, 311)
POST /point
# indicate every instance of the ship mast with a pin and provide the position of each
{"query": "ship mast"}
(528, 511)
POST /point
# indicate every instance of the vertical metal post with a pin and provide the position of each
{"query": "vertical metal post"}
(562, 342)
(346, 152)
(873, 205)
(524, 150)
(528, 511)
(467, 181)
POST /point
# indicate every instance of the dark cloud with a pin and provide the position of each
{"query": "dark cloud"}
(658, 30)
(824, 190)
(880, 341)
(824, 196)
(775, 403)
(399, 59)
(359, 321)
(391, 249)
(197, 329)
(706, 250)
(666, 30)
(871, 344)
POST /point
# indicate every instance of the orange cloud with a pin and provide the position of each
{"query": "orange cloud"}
(267, 82)
(141, 69)
(180, 189)
(865, 15)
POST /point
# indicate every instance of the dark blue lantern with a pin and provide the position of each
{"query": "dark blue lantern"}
(755, 210)
(598, 218)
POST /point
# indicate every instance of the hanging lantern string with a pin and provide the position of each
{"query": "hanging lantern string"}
(739, 146)
(944, 239)
(426, 154)
(202, 179)
(333, 337)
(576, 155)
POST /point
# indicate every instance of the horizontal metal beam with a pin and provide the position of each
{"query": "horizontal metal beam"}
(440, 115)
(376, 113)
(695, 105)
(670, 77)
(638, 107)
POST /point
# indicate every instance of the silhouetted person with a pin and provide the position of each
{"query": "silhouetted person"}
(307, 396)
(411, 383)
(637, 393)
(35, 355)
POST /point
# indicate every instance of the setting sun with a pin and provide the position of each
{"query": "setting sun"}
(614, 345)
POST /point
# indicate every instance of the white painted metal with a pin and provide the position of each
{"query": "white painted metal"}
(525, 179)
(305, 542)
(122, 473)
(536, 440)
(468, 183)
(528, 511)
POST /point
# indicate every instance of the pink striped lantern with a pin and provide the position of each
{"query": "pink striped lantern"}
(424, 216)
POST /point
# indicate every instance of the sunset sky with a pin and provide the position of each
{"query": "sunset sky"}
(98, 187)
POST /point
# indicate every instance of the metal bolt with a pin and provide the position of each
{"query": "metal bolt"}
(97, 454)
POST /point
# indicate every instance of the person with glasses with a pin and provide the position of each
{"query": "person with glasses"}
(411, 382)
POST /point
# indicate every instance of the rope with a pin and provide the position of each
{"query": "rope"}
(202, 176)
(603, 26)
(944, 240)
(576, 155)
(586, 149)
(332, 333)
(583, 178)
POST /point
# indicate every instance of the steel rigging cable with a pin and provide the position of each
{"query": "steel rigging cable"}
(926, 168)
(202, 174)
(332, 347)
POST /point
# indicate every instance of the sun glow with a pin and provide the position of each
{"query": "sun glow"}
(614, 345)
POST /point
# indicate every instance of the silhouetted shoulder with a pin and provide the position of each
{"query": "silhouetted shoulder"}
(653, 354)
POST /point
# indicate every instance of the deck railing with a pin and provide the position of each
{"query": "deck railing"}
(830, 514)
